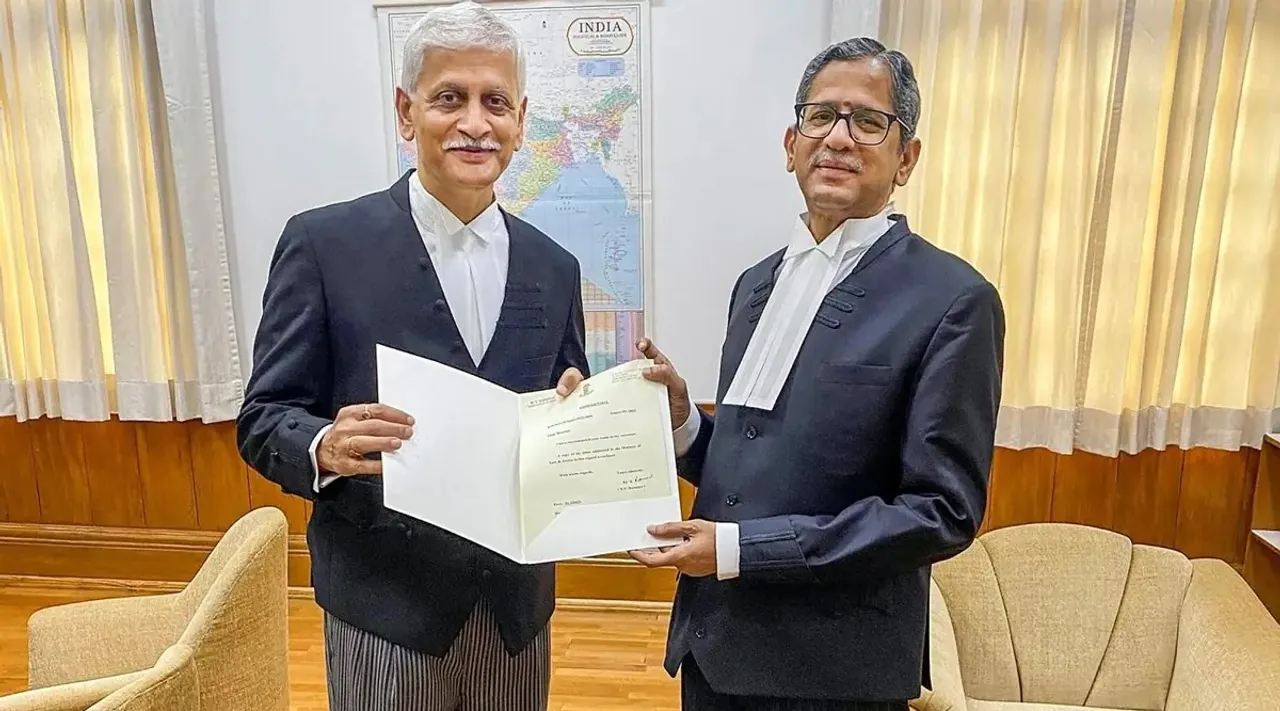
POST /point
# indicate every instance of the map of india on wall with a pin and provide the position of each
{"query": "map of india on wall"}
(581, 176)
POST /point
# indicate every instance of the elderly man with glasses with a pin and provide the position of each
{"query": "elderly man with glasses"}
(854, 429)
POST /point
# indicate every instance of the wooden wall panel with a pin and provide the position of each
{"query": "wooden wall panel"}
(188, 477)
(1262, 559)
(1021, 489)
(1215, 503)
(265, 493)
(686, 498)
(58, 452)
(168, 486)
(220, 477)
(1262, 570)
(1084, 490)
(1148, 485)
(111, 467)
(129, 554)
(19, 492)
(1266, 499)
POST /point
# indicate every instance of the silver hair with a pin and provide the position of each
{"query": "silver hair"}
(902, 78)
(464, 25)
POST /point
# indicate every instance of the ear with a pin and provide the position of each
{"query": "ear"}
(524, 106)
(789, 145)
(907, 163)
(404, 115)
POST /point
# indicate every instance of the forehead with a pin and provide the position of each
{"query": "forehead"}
(469, 66)
(857, 82)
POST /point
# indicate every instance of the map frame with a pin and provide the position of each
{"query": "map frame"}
(385, 10)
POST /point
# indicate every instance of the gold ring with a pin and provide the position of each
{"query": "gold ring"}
(365, 415)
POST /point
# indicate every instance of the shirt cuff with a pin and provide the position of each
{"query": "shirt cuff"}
(321, 481)
(727, 551)
(685, 434)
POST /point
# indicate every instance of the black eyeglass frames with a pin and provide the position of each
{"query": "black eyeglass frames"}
(867, 126)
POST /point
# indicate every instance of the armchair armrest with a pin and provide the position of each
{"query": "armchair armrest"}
(68, 697)
(100, 638)
(947, 693)
(1228, 654)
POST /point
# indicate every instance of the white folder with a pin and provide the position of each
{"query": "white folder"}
(461, 469)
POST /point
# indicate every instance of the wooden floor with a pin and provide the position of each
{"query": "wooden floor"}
(601, 659)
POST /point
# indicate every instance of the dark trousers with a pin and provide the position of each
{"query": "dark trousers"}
(697, 695)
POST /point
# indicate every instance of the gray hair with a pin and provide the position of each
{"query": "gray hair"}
(464, 25)
(903, 87)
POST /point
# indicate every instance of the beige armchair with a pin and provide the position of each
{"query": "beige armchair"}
(171, 685)
(1054, 617)
(232, 617)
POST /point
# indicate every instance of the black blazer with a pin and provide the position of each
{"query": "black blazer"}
(872, 465)
(344, 278)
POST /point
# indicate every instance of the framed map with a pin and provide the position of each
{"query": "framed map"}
(583, 174)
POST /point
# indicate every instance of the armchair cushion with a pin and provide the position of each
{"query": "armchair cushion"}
(76, 696)
(1228, 646)
(1019, 706)
(100, 638)
(173, 683)
(947, 693)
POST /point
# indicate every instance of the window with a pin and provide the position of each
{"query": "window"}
(1114, 169)
(114, 296)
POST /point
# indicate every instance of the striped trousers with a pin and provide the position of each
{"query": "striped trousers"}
(368, 673)
(697, 695)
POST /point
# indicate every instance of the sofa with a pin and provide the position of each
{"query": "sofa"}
(1056, 617)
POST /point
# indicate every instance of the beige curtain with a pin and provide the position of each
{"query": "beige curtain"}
(114, 282)
(1114, 167)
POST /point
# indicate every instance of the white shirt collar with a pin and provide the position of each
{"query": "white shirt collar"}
(434, 218)
(855, 233)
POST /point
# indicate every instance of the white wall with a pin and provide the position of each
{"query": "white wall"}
(301, 125)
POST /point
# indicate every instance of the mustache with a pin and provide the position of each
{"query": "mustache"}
(829, 158)
(484, 144)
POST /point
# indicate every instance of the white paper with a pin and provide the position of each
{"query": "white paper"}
(461, 469)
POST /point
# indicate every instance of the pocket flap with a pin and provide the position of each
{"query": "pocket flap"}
(859, 373)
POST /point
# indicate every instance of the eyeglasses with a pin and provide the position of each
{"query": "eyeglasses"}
(867, 126)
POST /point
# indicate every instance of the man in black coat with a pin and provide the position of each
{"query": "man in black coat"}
(416, 619)
(855, 425)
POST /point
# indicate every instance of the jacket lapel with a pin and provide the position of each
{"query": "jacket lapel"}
(753, 293)
(524, 302)
(410, 254)
(897, 231)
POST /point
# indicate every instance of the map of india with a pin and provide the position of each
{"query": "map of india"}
(580, 176)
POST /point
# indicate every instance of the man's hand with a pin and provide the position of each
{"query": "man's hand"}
(569, 381)
(663, 372)
(359, 430)
(695, 557)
